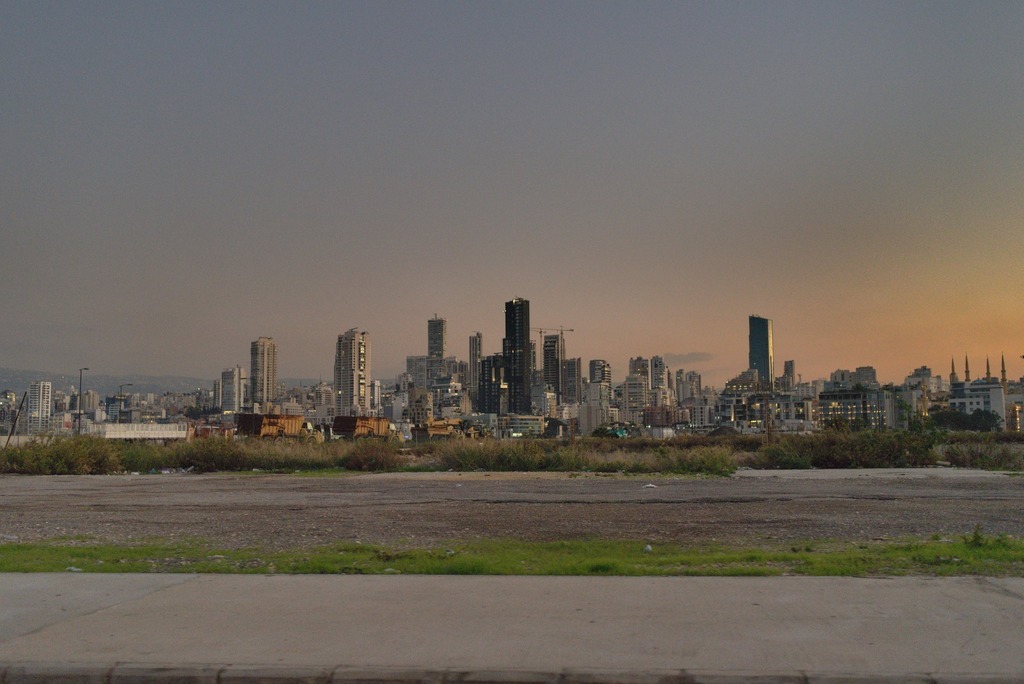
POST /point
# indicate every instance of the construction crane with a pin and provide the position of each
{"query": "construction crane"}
(561, 330)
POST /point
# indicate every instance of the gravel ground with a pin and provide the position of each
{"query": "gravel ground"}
(286, 512)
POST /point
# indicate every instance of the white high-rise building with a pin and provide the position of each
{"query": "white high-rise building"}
(659, 373)
(40, 406)
(352, 374)
(596, 408)
(233, 385)
(634, 399)
(688, 384)
(641, 367)
(263, 372)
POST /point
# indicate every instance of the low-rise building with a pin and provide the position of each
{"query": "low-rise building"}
(984, 394)
(870, 409)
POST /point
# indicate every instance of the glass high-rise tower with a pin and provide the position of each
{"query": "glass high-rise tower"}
(554, 355)
(762, 352)
(515, 347)
(476, 343)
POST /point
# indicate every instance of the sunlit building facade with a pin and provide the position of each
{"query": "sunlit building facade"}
(263, 372)
(352, 374)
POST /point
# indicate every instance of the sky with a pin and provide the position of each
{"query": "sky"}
(180, 178)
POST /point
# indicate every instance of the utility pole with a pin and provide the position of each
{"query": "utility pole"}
(120, 400)
(769, 419)
(17, 415)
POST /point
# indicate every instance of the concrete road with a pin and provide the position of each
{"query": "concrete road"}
(209, 628)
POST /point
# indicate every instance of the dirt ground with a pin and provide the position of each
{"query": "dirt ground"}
(287, 512)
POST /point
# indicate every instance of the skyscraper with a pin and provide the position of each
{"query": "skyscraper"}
(232, 390)
(572, 381)
(515, 347)
(789, 374)
(352, 374)
(437, 337)
(263, 372)
(641, 368)
(693, 383)
(762, 352)
(40, 406)
(476, 344)
(659, 372)
(600, 371)
(554, 354)
(492, 390)
(634, 398)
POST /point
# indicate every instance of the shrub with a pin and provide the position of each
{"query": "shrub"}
(143, 457)
(464, 455)
(208, 455)
(512, 455)
(865, 449)
(80, 455)
(987, 455)
(708, 460)
(781, 456)
(373, 454)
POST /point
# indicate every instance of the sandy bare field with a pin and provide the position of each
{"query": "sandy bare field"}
(282, 511)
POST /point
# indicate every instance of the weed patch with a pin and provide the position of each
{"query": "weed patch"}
(975, 554)
(715, 456)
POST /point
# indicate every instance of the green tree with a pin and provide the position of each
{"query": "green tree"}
(979, 421)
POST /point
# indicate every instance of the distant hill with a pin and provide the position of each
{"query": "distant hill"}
(18, 381)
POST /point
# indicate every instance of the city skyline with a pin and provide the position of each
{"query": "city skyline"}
(513, 387)
(180, 180)
(263, 353)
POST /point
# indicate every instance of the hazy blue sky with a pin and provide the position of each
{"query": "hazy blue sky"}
(179, 178)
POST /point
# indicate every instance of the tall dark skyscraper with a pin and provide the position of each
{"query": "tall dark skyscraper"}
(789, 374)
(515, 347)
(476, 343)
(600, 371)
(762, 351)
(572, 381)
(492, 390)
(437, 337)
(554, 355)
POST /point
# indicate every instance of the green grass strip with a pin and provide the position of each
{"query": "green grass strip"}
(973, 555)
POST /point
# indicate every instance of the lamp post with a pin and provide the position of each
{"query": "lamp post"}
(120, 400)
(81, 394)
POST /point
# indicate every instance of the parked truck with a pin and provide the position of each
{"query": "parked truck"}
(444, 428)
(277, 427)
(354, 427)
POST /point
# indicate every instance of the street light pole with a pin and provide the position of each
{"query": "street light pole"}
(120, 399)
(81, 394)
